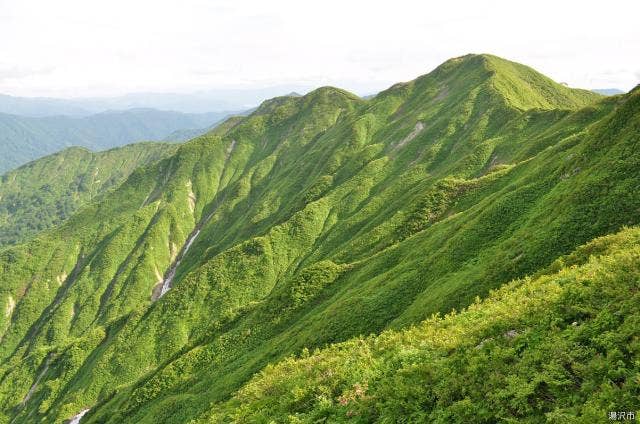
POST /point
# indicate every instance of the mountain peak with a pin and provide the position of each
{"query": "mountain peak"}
(520, 86)
(526, 88)
(321, 95)
(326, 91)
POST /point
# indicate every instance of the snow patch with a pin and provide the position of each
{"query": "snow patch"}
(168, 281)
(76, 418)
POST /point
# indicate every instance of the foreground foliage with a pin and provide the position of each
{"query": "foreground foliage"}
(561, 347)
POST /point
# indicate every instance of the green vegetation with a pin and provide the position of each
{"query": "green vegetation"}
(335, 225)
(43, 193)
(553, 348)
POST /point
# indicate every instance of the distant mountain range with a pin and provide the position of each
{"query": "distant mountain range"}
(31, 127)
(23, 139)
(40, 106)
(608, 91)
(219, 100)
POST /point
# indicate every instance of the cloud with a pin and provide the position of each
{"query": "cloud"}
(109, 48)
(8, 72)
(208, 71)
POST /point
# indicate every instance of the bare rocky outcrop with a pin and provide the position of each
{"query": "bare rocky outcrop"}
(412, 135)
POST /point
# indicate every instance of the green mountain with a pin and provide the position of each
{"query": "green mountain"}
(23, 139)
(43, 193)
(335, 229)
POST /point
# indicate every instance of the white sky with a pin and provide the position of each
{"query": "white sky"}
(94, 48)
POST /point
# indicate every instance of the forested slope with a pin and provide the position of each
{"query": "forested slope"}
(43, 193)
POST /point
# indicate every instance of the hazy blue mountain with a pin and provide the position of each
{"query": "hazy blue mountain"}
(608, 91)
(217, 100)
(23, 139)
(197, 102)
(188, 134)
(40, 106)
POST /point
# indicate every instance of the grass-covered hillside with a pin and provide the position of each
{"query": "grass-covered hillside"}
(559, 347)
(23, 138)
(340, 224)
(43, 193)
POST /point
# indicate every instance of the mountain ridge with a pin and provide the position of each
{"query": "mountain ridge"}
(215, 100)
(310, 222)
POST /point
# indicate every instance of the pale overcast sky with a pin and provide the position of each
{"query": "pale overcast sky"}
(96, 48)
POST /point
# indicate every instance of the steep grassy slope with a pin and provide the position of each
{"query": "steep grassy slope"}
(23, 139)
(314, 220)
(525, 88)
(561, 347)
(45, 192)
